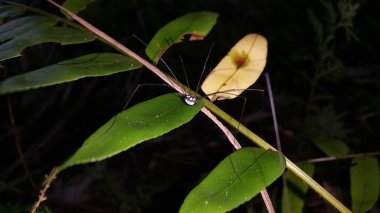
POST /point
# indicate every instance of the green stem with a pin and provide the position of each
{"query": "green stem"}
(181, 88)
(289, 164)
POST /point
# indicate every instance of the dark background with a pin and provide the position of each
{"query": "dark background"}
(156, 176)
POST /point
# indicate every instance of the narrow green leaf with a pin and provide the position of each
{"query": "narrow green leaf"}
(332, 147)
(294, 192)
(22, 25)
(9, 11)
(365, 180)
(97, 64)
(139, 123)
(76, 6)
(62, 35)
(235, 180)
(197, 25)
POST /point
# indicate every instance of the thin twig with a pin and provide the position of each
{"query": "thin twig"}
(224, 129)
(273, 109)
(42, 197)
(267, 201)
(17, 138)
(276, 131)
(333, 158)
(178, 86)
(235, 143)
(16, 135)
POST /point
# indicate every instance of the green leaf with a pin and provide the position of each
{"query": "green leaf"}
(141, 122)
(365, 180)
(235, 180)
(62, 35)
(19, 26)
(76, 6)
(97, 64)
(295, 190)
(332, 147)
(9, 11)
(197, 25)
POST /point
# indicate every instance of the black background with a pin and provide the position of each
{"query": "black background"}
(156, 176)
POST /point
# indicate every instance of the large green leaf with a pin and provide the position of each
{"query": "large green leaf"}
(141, 122)
(96, 64)
(62, 35)
(197, 25)
(235, 180)
(76, 6)
(22, 25)
(294, 192)
(10, 11)
(365, 180)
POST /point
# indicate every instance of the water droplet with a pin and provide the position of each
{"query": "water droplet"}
(206, 202)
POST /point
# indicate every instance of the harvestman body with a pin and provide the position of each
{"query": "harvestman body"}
(190, 100)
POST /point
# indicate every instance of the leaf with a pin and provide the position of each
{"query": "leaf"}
(238, 70)
(139, 123)
(235, 180)
(9, 11)
(19, 26)
(294, 192)
(332, 147)
(97, 64)
(365, 180)
(197, 25)
(62, 35)
(76, 6)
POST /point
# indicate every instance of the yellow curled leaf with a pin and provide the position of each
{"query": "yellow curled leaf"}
(238, 70)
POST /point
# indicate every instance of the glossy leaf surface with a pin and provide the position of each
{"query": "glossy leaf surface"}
(197, 25)
(22, 25)
(62, 35)
(235, 180)
(97, 64)
(139, 123)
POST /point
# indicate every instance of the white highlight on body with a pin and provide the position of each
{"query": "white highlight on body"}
(190, 100)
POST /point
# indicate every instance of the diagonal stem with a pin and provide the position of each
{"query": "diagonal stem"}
(235, 143)
(217, 111)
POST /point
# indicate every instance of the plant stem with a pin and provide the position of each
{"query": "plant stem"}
(289, 164)
(208, 104)
(333, 158)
